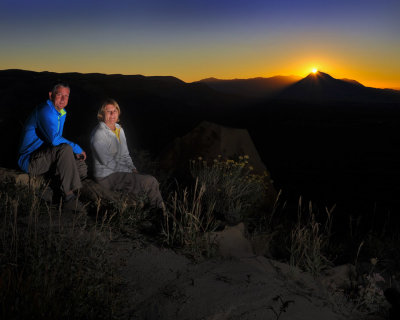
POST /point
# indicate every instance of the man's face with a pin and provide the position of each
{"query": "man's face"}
(60, 99)
(110, 116)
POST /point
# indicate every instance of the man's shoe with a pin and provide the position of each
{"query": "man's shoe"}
(73, 204)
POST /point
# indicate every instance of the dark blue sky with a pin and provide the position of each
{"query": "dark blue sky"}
(198, 39)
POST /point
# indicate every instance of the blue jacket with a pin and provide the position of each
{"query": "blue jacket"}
(44, 125)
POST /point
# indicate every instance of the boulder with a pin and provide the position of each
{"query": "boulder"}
(16, 176)
(209, 140)
(212, 141)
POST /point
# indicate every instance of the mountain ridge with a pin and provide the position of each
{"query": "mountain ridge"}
(258, 87)
(322, 87)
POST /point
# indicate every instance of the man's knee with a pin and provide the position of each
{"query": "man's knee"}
(65, 153)
(64, 147)
(66, 159)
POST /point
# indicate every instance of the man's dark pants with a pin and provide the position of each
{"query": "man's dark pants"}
(61, 162)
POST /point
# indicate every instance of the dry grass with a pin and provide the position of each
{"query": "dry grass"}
(51, 266)
(188, 223)
(310, 239)
(125, 215)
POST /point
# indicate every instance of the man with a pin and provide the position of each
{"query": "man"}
(43, 149)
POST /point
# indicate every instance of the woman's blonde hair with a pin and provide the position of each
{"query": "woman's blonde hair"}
(100, 113)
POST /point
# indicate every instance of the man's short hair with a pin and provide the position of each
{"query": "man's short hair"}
(58, 85)
(100, 114)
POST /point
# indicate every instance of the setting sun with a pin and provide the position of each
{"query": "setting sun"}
(314, 70)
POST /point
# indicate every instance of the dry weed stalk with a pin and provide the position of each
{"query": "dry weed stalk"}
(309, 240)
(187, 224)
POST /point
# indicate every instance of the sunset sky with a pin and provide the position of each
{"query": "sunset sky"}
(196, 39)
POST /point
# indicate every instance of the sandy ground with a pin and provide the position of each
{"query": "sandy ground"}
(161, 284)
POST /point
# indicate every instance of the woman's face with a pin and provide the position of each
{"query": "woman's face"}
(111, 115)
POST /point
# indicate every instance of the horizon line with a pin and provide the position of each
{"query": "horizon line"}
(188, 82)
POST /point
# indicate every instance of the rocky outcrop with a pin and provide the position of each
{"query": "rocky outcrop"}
(15, 176)
(208, 140)
(90, 190)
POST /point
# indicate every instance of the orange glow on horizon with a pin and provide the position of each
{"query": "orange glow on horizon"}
(298, 68)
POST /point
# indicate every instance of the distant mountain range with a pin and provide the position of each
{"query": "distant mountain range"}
(253, 88)
(168, 90)
(316, 87)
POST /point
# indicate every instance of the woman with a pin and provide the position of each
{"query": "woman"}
(113, 166)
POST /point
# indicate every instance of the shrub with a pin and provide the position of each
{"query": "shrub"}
(230, 186)
(367, 287)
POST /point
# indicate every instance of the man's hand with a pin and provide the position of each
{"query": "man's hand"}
(81, 156)
(135, 170)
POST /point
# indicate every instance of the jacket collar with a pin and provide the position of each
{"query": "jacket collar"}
(61, 113)
(106, 127)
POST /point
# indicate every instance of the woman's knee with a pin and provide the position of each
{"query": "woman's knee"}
(149, 182)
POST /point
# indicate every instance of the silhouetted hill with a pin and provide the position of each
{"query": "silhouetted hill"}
(352, 81)
(321, 87)
(254, 88)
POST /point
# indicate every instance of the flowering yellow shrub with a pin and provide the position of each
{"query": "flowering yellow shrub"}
(230, 184)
